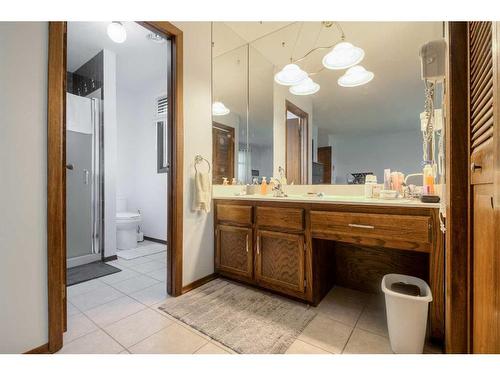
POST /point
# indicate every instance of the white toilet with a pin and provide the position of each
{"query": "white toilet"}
(127, 224)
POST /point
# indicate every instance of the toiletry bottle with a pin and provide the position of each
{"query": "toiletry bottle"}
(370, 182)
(224, 180)
(263, 186)
(234, 182)
(428, 180)
(387, 179)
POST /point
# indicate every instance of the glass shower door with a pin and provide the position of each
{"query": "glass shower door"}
(82, 179)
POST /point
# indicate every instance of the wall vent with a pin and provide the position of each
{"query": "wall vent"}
(161, 106)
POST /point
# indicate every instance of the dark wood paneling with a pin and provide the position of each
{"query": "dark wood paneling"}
(280, 261)
(222, 153)
(394, 231)
(362, 267)
(325, 158)
(323, 259)
(457, 166)
(236, 214)
(199, 282)
(282, 218)
(42, 349)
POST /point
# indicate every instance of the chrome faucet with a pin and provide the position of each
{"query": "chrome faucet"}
(278, 184)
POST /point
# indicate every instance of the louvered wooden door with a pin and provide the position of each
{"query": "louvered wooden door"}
(483, 147)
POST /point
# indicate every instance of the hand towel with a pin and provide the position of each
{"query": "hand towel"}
(203, 192)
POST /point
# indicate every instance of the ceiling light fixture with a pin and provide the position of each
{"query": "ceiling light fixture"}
(219, 109)
(343, 56)
(306, 87)
(117, 32)
(290, 75)
(355, 76)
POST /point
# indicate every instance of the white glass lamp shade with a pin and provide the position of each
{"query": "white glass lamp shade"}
(306, 87)
(342, 56)
(290, 75)
(219, 109)
(117, 32)
(355, 76)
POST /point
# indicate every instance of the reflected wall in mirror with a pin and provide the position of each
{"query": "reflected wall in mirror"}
(346, 121)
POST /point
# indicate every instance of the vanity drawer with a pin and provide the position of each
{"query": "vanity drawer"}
(285, 218)
(232, 213)
(406, 232)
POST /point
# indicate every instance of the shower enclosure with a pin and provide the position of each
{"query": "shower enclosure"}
(83, 217)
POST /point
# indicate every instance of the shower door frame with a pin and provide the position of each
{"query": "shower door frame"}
(56, 174)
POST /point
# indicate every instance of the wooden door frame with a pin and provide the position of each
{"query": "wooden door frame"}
(56, 175)
(230, 130)
(304, 163)
(457, 288)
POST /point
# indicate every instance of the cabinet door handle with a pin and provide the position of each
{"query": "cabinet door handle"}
(258, 244)
(362, 226)
(474, 166)
(247, 243)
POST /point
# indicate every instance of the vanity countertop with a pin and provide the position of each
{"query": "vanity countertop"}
(329, 199)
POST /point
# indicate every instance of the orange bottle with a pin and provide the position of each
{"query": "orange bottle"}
(263, 186)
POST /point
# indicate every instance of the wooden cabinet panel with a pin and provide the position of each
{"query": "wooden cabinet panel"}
(234, 253)
(283, 218)
(485, 314)
(407, 232)
(280, 261)
(232, 213)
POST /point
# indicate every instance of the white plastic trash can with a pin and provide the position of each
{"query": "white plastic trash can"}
(406, 314)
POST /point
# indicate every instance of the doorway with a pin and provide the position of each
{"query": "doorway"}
(223, 153)
(57, 139)
(297, 154)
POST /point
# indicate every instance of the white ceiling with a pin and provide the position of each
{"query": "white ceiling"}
(139, 60)
(391, 102)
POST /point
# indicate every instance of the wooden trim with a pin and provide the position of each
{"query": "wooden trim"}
(56, 176)
(176, 161)
(42, 349)
(457, 215)
(197, 283)
(146, 238)
(56, 183)
(304, 163)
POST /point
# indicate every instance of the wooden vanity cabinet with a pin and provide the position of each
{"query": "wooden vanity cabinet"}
(233, 251)
(280, 261)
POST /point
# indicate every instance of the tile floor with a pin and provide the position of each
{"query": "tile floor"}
(118, 314)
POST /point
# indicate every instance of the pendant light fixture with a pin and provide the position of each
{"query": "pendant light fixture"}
(290, 75)
(117, 32)
(306, 87)
(219, 109)
(355, 76)
(342, 56)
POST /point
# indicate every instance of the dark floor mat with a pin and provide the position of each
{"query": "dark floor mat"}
(86, 272)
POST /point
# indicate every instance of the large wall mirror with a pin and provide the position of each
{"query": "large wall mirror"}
(339, 125)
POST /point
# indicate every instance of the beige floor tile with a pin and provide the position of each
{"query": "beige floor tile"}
(373, 319)
(343, 305)
(82, 288)
(78, 325)
(301, 347)
(134, 284)
(137, 327)
(326, 333)
(124, 352)
(211, 348)
(115, 310)
(152, 294)
(114, 278)
(159, 257)
(103, 294)
(149, 266)
(71, 309)
(97, 342)
(159, 274)
(116, 263)
(132, 262)
(174, 339)
(364, 342)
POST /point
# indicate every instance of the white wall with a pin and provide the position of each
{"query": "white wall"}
(23, 168)
(401, 151)
(110, 153)
(198, 260)
(137, 177)
(281, 94)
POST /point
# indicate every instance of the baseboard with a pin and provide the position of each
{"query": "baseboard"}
(42, 349)
(155, 240)
(197, 283)
(110, 258)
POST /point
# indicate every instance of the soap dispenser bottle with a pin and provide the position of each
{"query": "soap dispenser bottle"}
(263, 186)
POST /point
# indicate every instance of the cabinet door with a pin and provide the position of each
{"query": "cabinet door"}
(280, 261)
(234, 253)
